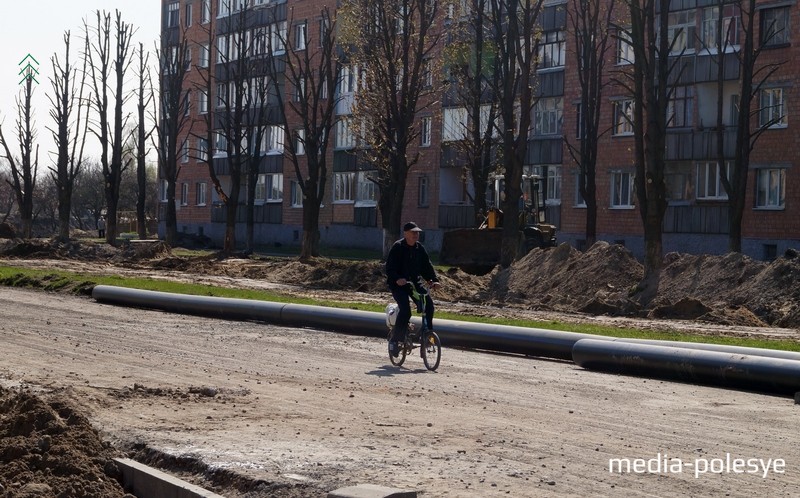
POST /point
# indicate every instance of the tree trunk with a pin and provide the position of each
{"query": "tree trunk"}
(309, 247)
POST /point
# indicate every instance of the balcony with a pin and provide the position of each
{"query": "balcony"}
(699, 145)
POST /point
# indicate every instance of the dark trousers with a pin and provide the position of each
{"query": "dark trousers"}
(403, 296)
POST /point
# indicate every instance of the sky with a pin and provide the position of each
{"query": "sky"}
(37, 28)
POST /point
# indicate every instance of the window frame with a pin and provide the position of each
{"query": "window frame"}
(719, 193)
(769, 109)
(344, 187)
(770, 38)
(762, 196)
(623, 126)
(618, 184)
(201, 193)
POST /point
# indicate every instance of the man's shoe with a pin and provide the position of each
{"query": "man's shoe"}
(393, 349)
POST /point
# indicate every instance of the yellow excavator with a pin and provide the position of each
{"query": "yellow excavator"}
(477, 250)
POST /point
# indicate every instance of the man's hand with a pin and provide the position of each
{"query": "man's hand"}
(434, 285)
(401, 282)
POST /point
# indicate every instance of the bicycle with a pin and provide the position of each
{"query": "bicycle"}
(426, 339)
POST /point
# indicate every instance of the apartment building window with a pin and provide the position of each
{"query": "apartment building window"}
(677, 177)
(202, 102)
(773, 108)
(422, 192)
(205, 11)
(425, 131)
(188, 15)
(205, 55)
(427, 74)
(222, 49)
(272, 139)
(296, 194)
(552, 49)
(348, 79)
(223, 8)
(324, 28)
(548, 116)
(621, 190)
(187, 102)
(173, 14)
(300, 142)
(300, 90)
(269, 188)
(681, 30)
(580, 130)
(580, 202)
(344, 138)
(709, 181)
(775, 26)
(366, 189)
(300, 36)
(770, 188)
(163, 186)
(709, 36)
(185, 151)
(623, 117)
(260, 37)
(222, 94)
(277, 33)
(202, 149)
(220, 144)
(679, 109)
(200, 193)
(184, 194)
(343, 187)
(454, 124)
(553, 192)
(625, 54)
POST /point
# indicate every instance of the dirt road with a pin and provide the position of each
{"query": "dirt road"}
(328, 410)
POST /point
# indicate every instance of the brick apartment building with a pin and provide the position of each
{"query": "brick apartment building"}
(437, 194)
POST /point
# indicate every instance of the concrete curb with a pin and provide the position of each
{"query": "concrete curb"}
(145, 482)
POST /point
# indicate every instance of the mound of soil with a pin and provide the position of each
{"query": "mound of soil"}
(50, 450)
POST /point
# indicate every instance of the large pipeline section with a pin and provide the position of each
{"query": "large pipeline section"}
(759, 373)
(501, 338)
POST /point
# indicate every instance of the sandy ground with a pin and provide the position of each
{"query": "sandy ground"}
(319, 410)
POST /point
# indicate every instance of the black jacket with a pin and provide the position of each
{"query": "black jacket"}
(409, 262)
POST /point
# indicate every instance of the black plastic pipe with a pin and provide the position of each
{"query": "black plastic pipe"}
(740, 371)
(501, 338)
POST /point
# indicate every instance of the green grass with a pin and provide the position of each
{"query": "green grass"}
(59, 280)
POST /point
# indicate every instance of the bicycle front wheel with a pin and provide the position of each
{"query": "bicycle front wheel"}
(431, 351)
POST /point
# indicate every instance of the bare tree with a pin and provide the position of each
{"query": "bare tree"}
(591, 22)
(88, 198)
(24, 167)
(472, 61)
(106, 63)
(313, 73)
(752, 78)
(237, 127)
(390, 43)
(513, 25)
(69, 133)
(648, 85)
(143, 133)
(173, 122)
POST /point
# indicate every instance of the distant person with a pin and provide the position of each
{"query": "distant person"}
(101, 227)
(406, 262)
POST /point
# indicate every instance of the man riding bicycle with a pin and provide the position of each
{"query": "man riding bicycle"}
(407, 261)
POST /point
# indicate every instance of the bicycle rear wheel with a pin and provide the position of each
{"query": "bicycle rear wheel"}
(431, 350)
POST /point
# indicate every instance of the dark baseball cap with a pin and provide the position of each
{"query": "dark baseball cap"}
(411, 226)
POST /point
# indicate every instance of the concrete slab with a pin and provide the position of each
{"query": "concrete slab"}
(146, 482)
(371, 491)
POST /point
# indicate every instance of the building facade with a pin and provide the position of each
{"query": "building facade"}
(439, 193)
